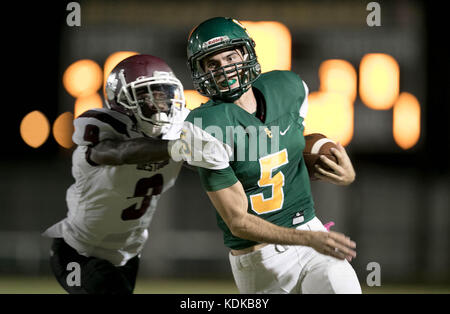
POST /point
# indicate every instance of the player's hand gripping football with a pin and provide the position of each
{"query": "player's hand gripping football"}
(333, 244)
(342, 172)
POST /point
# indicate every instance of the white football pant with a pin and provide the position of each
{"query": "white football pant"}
(293, 269)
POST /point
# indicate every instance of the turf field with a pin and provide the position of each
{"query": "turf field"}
(48, 285)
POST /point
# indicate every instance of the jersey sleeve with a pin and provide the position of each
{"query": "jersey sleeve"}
(214, 180)
(95, 126)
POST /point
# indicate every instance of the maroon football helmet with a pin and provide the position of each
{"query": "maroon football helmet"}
(144, 86)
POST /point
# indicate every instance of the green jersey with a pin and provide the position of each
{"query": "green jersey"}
(265, 155)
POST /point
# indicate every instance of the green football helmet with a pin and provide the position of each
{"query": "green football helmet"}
(214, 36)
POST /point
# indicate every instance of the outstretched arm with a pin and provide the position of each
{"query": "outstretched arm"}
(133, 151)
(342, 172)
(231, 203)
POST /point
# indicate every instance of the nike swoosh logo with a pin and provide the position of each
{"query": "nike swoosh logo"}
(284, 132)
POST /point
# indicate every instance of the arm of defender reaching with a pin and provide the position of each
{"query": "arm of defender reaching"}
(231, 203)
(132, 151)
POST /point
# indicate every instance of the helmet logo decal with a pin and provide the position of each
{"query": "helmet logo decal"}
(111, 85)
(214, 40)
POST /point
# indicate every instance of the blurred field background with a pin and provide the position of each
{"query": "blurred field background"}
(48, 285)
(397, 210)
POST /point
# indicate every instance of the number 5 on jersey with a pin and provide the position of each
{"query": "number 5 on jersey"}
(267, 165)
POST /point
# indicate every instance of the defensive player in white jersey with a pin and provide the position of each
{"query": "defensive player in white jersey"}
(121, 166)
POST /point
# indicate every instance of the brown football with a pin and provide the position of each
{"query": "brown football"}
(317, 144)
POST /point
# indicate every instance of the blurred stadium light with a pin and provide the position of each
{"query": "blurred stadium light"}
(406, 121)
(379, 77)
(194, 99)
(338, 76)
(83, 104)
(272, 44)
(63, 130)
(35, 129)
(83, 78)
(330, 113)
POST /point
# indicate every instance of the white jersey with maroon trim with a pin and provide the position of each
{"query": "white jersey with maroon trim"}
(110, 207)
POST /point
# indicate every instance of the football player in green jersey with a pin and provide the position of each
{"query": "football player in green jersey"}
(251, 164)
